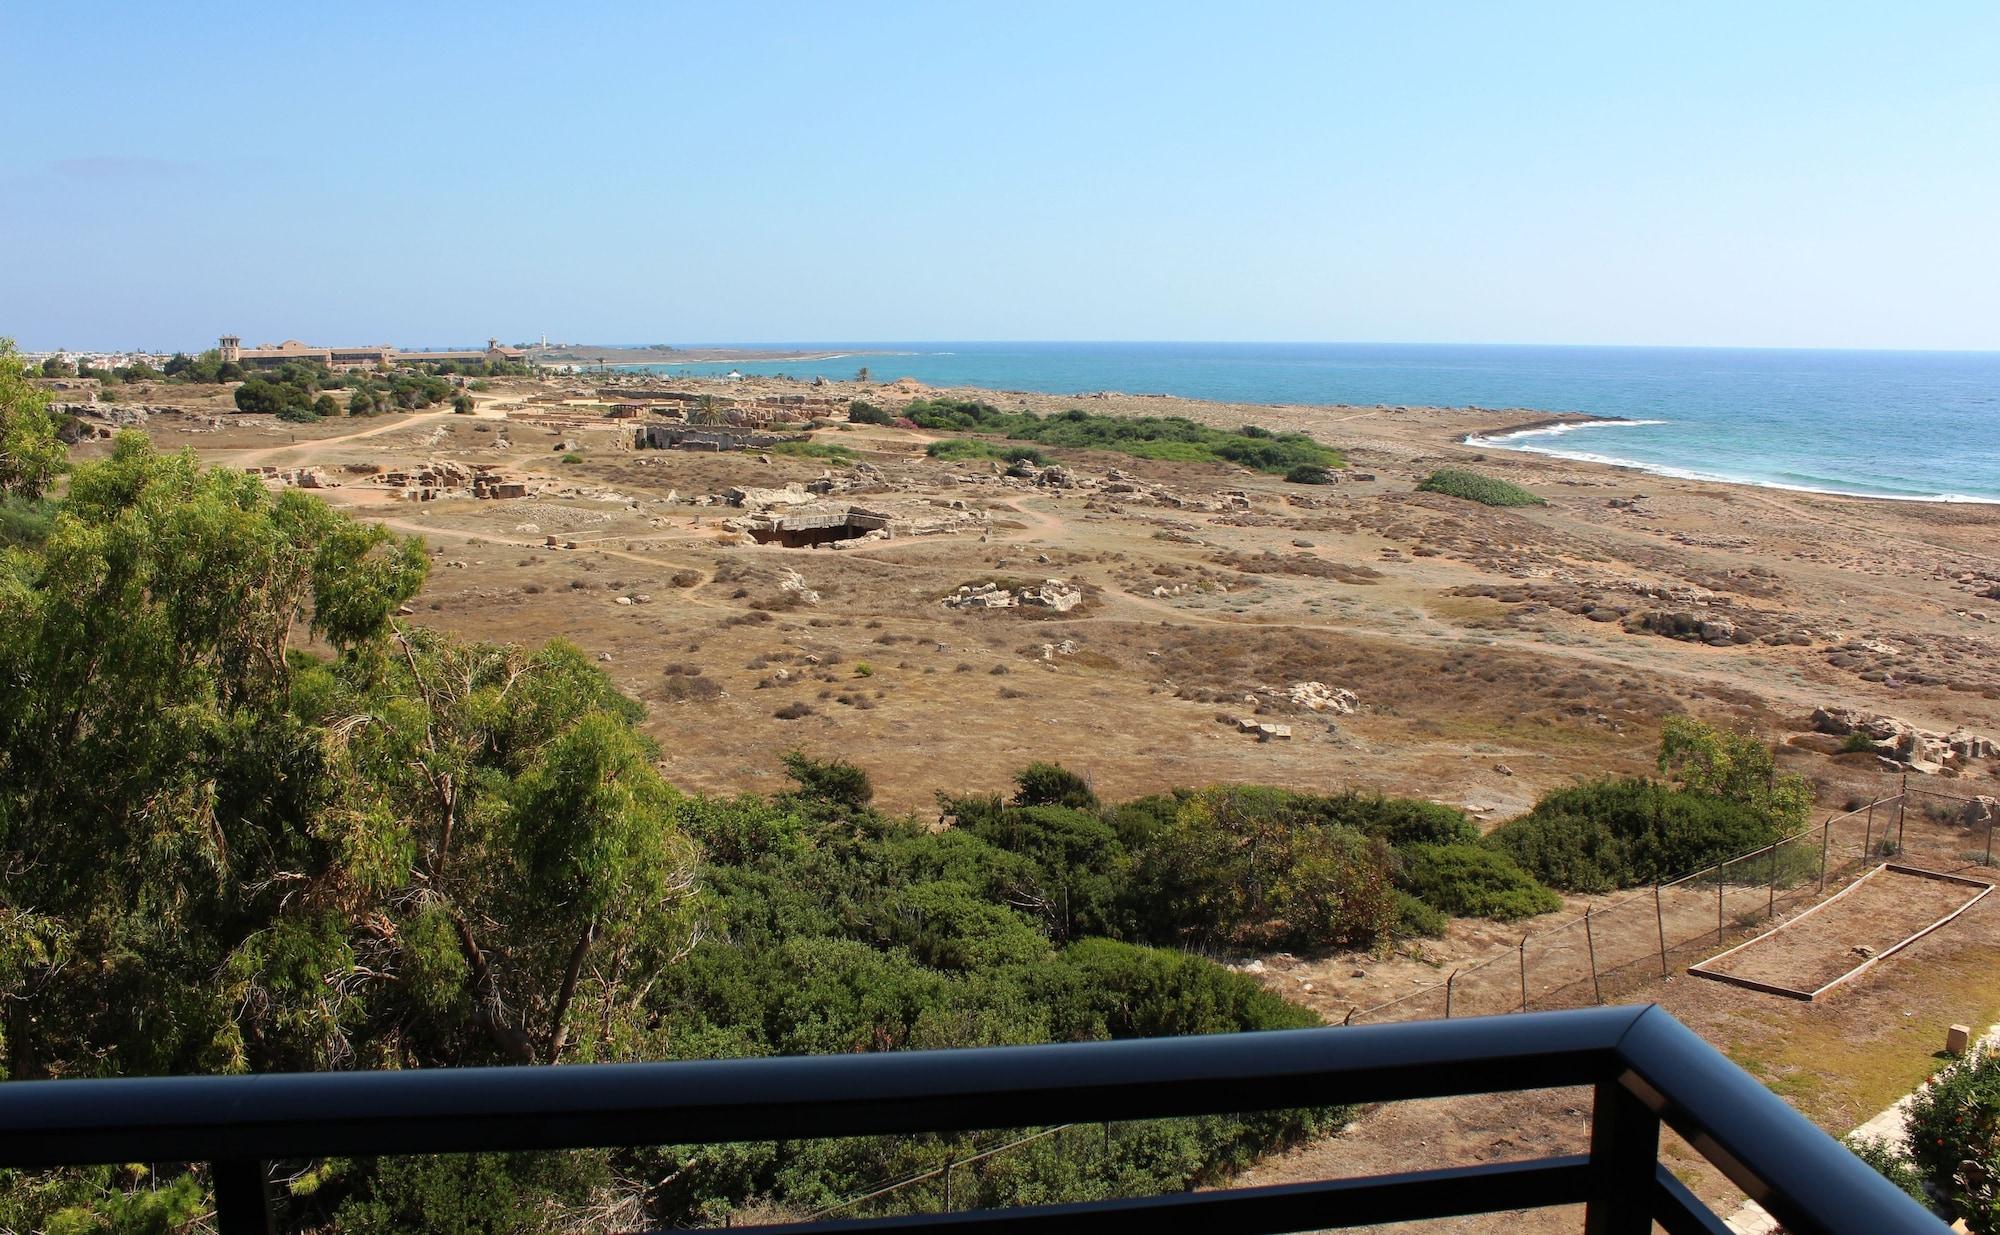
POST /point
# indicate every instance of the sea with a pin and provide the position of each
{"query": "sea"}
(1880, 424)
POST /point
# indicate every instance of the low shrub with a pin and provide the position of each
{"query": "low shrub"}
(1621, 833)
(1171, 438)
(1954, 1139)
(1473, 487)
(1309, 474)
(1414, 917)
(826, 451)
(1473, 881)
(862, 412)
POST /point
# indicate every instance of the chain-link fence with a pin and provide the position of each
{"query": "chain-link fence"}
(1617, 944)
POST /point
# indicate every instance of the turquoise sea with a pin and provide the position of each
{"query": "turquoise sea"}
(1909, 425)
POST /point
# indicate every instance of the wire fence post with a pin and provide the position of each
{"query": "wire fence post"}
(1902, 798)
(1771, 906)
(1524, 973)
(1718, 902)
(1590, 942)
(1825, 840)
(1868, 832)
(1989, 839)
(1448, 984)
(947, 1187)
(1660, 922)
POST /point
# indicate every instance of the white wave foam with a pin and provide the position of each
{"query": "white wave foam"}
(1555, 430)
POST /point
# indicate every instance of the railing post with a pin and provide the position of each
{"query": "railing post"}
(1902, 800)
(947, 1187)
(1624, 1155)
(1447, 993)
(1825, 838)
(242, 1197)
(1868, 833)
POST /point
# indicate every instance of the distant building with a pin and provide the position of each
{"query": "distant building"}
(271, 355)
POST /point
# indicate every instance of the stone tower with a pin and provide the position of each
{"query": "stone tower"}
(232, 348)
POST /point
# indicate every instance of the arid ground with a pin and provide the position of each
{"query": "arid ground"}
(1495, 653)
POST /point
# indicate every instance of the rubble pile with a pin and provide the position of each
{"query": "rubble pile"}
(1056, 594)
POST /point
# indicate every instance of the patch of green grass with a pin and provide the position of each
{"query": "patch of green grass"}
(1473, 487)
(1174, 439)
(572, 457)
(827, 451)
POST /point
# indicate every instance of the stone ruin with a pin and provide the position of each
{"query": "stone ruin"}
(447, 477)
(705, 437)
(1057, 594)
(1903, 746)
(808, 527)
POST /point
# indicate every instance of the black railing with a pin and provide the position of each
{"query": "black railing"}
(1646, 1068)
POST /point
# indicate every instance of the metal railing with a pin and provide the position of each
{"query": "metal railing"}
(1647, 1071)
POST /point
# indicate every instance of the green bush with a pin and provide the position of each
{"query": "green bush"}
(1953, 1138)
(1052, 784)
(1235, 867)
(25, 521)
(570, 456)
(1892, 1164)
(1309, 474)
(1414, 917)
(1473, 487)
(827, 451)
(1473, 881)
(1171, 438)
(1611, 834)
(862, 412)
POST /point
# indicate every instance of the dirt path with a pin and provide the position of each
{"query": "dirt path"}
(262, 454)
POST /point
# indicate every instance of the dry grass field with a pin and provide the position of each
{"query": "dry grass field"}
(1495, 654)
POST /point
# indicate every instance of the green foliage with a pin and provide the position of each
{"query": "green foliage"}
(470, 1194)
(1857, 743)
(828, 451)
(462, 404)
(1171, 438)
(31, 455)
(1620, 833)
(862, 412)
(1953, 1139)
(570, 456)
(1473, 881)
(25, 521)
(831, 783)
(1239, 866)
(1473, 487)
(1891, 1163)
(1734, 766)
(1051, 784)
(1309, 474)
(1414, 917)
(1611, 834)
(270, 397)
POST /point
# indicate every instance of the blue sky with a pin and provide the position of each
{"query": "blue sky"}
(1765, 174)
